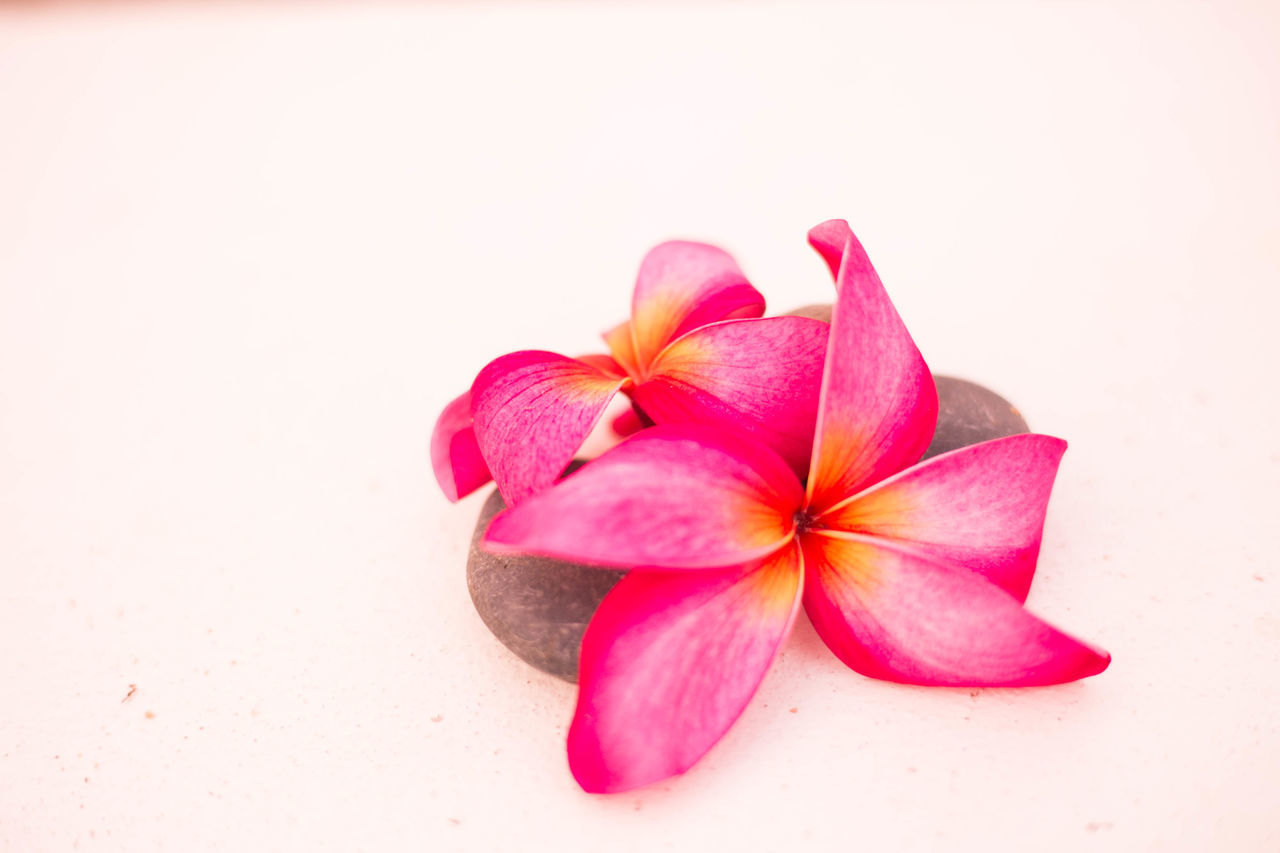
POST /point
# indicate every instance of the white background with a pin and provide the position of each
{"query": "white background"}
(247, 253)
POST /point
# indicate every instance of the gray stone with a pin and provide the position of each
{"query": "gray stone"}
(536, 607)
(539, 608)
(969, 414)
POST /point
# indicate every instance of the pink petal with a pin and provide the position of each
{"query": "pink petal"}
(668, 497)
(622, 347)
(754, 377)
(606, 365)
(532, 411)
(829, 239)
(879, 405)
(981, 507)
(894, 615)
(628, 422)
(682, 286)
(455, 456)
(669, 662)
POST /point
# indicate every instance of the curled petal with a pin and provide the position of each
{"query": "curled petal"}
(878, 406)
(670, 661)
(532, 410)
(668, 497)
(682, 286)
(981, 507)
(753, 377)
(898, 616)
(829, 240)
(455, 455)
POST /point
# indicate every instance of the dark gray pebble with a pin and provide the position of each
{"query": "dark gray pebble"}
(536, 607)
(969, 414)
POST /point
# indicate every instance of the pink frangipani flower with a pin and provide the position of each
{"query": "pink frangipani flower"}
(913, 573)
(693, 351)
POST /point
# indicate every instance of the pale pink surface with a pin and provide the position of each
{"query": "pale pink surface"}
(680, 286)
(894, 615)
(679, 497)
(747, 377)
(981, 507)
(455, 456)
(879, 405)
(669, 662)
(532, 410)
(248, 252)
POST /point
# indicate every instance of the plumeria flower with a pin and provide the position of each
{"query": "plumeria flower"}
(693, 351)
(913, 573)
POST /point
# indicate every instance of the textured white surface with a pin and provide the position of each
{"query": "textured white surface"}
(246, 256)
